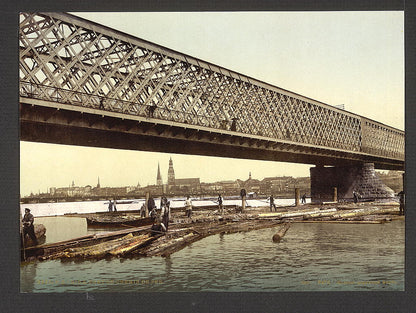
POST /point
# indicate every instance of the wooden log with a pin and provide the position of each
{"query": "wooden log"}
(98, 249)
(132, 245)
(281, 232)
(342, 222)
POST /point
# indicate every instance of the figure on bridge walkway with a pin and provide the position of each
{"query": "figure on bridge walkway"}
(110, 206)
(114, 205)
(152, 109)
(234, 124)
(28, 227)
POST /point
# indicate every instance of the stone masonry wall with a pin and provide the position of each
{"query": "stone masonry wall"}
(363, 179)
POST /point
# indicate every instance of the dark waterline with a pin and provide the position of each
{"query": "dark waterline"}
(311, 257)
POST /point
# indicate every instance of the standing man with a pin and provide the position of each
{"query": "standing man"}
(28, 227)
(110, 206)
(188, 207)
(272, 205)
(143, 210)
(304, 198)
(165, 214)
(401, 200)
(220, 207)
(151, 204)
(355, 195)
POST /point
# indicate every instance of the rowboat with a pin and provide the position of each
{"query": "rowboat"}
(117, 221)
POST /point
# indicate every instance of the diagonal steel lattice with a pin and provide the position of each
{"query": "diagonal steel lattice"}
(72, 61)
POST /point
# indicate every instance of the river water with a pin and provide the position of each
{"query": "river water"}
(311, 257)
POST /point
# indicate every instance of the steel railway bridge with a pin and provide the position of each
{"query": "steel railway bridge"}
(82, 83)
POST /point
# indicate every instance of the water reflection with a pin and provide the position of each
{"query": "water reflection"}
(27, 276)
(346, 256)
(168, 264)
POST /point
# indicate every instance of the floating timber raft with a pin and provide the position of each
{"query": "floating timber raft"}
(142, 242)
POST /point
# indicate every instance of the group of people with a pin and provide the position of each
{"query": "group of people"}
(112, 206)
(273, 206)
(161, 221)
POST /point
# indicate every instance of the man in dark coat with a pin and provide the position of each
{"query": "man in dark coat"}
(151, 204)
(28, 227)
(220, 207)
(401, 199)
(272, 205)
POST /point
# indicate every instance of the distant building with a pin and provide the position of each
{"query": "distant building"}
(182, 185)
(171, 174)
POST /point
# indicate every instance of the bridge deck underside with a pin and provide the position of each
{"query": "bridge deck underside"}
(46, 124)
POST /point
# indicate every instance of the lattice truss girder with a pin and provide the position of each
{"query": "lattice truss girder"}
(64, 62)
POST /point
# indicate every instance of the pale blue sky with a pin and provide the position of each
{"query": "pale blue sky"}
(351, 58)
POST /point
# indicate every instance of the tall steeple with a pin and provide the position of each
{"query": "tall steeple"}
(98, 184)
(159, 177)
(171, 174)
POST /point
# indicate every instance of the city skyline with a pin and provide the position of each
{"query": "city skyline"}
(100, 184)
(350, 58)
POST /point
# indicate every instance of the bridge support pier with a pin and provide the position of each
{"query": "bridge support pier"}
(361, 178)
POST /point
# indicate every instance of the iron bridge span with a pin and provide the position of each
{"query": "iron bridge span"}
(82, 83)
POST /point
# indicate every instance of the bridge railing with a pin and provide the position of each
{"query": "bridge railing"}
(373, 141)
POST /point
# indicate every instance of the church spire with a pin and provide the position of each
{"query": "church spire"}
(159, 176)
(98, 184)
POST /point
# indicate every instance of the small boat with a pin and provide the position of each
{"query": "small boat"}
(40, 231)
(117, 221)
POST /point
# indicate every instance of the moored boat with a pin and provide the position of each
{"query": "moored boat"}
(117, 221)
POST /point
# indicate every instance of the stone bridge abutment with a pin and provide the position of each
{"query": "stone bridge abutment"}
(360, 178)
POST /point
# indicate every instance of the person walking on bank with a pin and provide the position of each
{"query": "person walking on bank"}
(114, 205)
(355, 196)
(272, 205)
(188, 207)
(220, 207)
(304, 198)
(28, 227)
